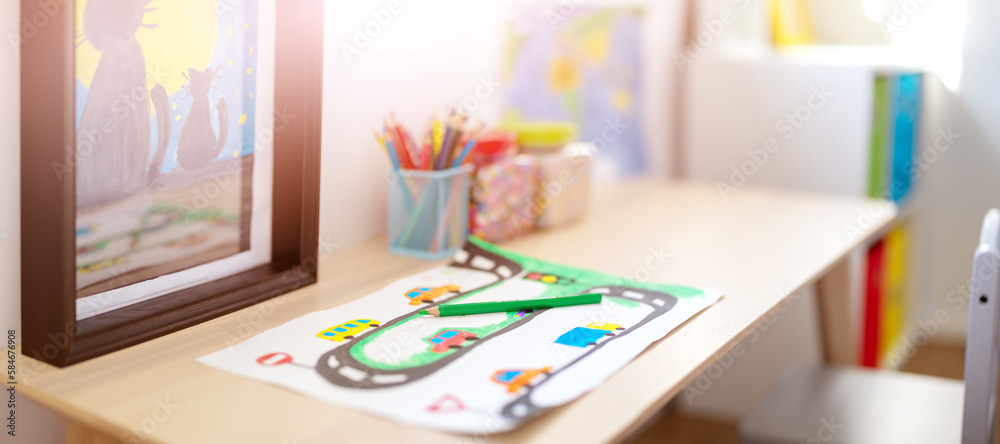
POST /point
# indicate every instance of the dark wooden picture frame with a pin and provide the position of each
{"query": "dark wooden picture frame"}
(51, 332)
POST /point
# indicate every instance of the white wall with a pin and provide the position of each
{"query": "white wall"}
(964, 182)
(34, 424)
(843, 22)
(430, 55)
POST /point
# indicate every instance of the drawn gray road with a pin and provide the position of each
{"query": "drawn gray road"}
(342, 369)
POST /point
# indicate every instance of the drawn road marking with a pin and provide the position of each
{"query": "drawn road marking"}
(633, 295)
(483, 263)
(389, 379)
(503, 271)
(353, 374)
(520, 410)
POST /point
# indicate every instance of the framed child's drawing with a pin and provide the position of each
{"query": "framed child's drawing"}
(170, 165)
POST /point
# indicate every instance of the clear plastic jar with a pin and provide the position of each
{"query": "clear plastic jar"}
(563, 192)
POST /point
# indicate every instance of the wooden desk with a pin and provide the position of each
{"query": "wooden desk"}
(757, 248)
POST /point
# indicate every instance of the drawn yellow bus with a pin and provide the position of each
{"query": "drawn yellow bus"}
(347, 330)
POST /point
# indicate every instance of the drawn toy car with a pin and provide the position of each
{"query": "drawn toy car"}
(581, 337)
(605, 326)
(347, 330)
(423, 295)
(515, 379)
(450, 339)
(547, 278)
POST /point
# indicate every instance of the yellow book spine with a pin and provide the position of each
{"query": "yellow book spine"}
(791, 22)
(895, 292)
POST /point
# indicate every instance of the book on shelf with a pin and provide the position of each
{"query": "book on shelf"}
(894, 294)
(894, 142)
(872, 306)
(893, 151)
(907, 115)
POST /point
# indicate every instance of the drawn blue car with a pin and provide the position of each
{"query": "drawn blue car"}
(581, 337)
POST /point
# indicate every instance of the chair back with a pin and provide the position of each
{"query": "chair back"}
(981, 346)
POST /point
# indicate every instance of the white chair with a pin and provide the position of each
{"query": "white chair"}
(855, 405)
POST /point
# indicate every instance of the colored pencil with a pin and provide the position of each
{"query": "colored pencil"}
(416, 152)
(459, 124)
(469, 144)
(465, 152)
(393, 157)
(397, 141)
(442, 156)
(409, 149)
(437, 136)
(447, 144)
(507, 306)
(428, 153)
(396, 149)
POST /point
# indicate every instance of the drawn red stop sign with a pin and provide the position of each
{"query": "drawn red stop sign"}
(272, 359)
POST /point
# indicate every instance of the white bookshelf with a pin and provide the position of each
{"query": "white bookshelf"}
(739, 97)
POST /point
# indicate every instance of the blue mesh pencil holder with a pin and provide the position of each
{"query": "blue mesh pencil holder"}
(428, 212)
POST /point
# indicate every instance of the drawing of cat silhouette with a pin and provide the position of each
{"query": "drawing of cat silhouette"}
(198, 145)
(112, 156)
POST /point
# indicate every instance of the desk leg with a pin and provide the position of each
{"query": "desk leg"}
(833, 293)
(77, 433)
